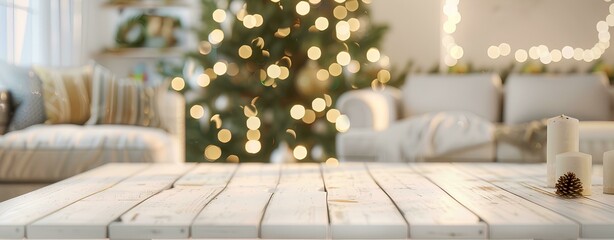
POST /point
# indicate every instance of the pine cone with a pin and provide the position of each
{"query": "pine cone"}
(569, 186)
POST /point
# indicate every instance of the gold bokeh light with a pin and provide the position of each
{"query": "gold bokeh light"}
(224, 135)
(213, 152)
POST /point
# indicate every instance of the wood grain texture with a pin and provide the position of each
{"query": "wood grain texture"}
(507, 215)
(296, 215)
(235, 213)
(430, 211)
(297, 209)
(596, 219)
(168, 214)
(238, 210)
(207, 174)
(89, 217)
(300, 177)
(358, 208)
(16, 214)
(309, 201)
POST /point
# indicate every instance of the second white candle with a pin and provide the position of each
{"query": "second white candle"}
(578, 163)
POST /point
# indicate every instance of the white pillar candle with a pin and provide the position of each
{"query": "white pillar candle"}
(608, 172)
(578, 163)
(562, 136)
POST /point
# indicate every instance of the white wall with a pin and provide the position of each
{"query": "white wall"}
(415, 29)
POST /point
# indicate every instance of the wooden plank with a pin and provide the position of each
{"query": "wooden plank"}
(601, 197)
(596, 219)
(165, 215)
(430, 211)
(256, 175)
(238, 210)
(89, 217)
(18, 213)
(300, 177)
(207, 174)
(170, 213)
(358, 208)
(537, 174)
(234, 213)
(507, 215)
(47, 190)
(298, 206)
(296, 215)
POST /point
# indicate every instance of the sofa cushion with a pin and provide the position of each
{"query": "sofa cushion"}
(5, 110)
(125, 101)
(476, 93)
(357, 145)
(67, 94)
(43, 153)
(26, 95)
(535, 97)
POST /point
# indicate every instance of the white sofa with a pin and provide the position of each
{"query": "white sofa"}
(42, 154)
(523, 98)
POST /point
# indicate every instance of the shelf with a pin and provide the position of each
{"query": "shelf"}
(171, 52)
(148, 4)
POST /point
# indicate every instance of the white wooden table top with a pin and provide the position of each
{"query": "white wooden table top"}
(353, 200)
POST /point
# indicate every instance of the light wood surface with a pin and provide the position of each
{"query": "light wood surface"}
(309, 201)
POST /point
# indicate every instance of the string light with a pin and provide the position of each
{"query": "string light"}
(342, 30)
(219, 15)
(321, 23)
(197, 111)
(318, 104)
(352, 5)
(220, 68)
(342, 123)
(322, 75)
(310, 116)
(354, 66)
(216, 36)
(253, 123)
(252, 146)
(253, 134)
(302, 8)
(273, 71)
(224, 135)
(204, 47)
(297, 112)
(332, 115)
(213, 152)
(521, 55)
(314, 53)
(354, 24)
(340, 12)
(332, 162)
(300, 152)
(335, 69)
(343, 58)
(373, 55)
(545, 55)
(177, 84)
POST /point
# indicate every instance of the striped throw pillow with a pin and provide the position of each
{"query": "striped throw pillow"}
(124, 101)
(66, 94)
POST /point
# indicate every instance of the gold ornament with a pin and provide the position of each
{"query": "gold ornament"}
(307, 82)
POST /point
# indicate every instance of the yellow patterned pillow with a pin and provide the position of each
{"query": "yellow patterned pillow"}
(67, 94)
(125, 101)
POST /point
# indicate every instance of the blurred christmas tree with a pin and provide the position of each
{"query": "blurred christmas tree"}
(269, 71)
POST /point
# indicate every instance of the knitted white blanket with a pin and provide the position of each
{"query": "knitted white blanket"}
(431, 135)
